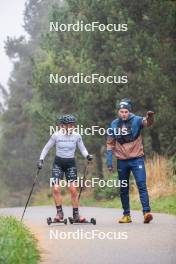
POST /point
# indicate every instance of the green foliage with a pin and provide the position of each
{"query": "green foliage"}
(106, 192)
(17, 244)
(145, 53)
(19, 145)
(162, 205)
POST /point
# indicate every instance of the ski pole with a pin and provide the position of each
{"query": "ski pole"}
(84, 177)
(34, 182)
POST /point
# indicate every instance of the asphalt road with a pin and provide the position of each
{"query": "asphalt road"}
(107, 242)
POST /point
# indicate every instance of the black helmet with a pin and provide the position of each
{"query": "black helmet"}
(67, 119)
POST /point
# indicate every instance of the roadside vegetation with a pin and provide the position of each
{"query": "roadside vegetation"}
(161, 182)
(17, 243)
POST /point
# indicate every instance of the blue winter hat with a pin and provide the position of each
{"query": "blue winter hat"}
(125, 103)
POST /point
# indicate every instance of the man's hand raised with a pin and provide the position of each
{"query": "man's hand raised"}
(150, 114)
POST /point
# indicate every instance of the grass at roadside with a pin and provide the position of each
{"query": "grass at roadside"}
(17, 244)
(161, 205)
(165, 204)
(161, 183)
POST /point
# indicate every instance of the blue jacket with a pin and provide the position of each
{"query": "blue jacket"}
(133, 127)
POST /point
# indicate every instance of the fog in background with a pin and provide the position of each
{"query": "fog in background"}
(11, 24)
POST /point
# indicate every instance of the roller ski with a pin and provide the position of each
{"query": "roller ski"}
(80, 221)
(54, 221)
(59, 219)
(76, 219)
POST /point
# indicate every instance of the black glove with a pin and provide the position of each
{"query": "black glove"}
(89, 157)
(39, 164)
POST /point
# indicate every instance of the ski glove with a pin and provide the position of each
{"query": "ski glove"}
(89, 157)
(39, 164)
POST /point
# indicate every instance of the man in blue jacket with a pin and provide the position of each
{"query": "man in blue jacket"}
(125, 142)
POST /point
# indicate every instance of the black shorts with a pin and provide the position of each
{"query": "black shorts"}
(64, 166)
